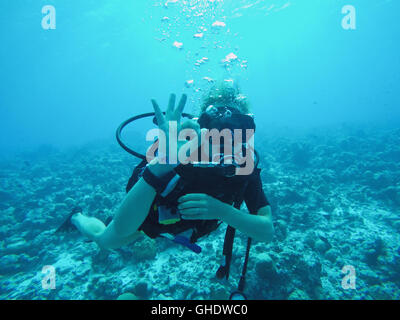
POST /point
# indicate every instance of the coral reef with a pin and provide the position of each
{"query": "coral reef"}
(335, 199)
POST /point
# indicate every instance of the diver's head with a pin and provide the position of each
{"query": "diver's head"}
(226, 94)
(224, 107)
(227, 110)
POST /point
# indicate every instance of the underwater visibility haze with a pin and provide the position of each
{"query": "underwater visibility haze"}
(322, 80)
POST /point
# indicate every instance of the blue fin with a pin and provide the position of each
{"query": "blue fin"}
(185, 242)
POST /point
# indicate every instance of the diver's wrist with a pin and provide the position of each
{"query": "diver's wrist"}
(225, 211)
(160, 169)
(158, 182)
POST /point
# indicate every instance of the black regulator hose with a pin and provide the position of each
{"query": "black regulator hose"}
(126, 122)
(145, 115)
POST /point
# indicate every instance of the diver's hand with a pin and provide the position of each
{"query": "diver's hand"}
(200, 206)
(172, 113)
(171, 123)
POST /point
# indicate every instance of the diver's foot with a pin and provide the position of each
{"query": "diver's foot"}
(67, 225)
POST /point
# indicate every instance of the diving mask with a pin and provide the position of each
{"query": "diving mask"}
(216, 117)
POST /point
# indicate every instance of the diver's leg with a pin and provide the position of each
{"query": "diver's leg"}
(128, 218)
(94, 228)
(89, 226)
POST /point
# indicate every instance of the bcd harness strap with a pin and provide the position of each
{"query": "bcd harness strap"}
(224, 269)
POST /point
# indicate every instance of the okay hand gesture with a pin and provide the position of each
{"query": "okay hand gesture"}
(171, 123)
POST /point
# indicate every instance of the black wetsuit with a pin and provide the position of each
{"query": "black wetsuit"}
(232, 190)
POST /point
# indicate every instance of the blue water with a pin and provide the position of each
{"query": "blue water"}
(306, 77)
(102, 63)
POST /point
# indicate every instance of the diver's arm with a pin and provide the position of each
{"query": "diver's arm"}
(258, 227)
(199, 206)
(136, 205)
(137, 202)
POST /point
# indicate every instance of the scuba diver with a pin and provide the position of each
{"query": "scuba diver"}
(185, 201)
